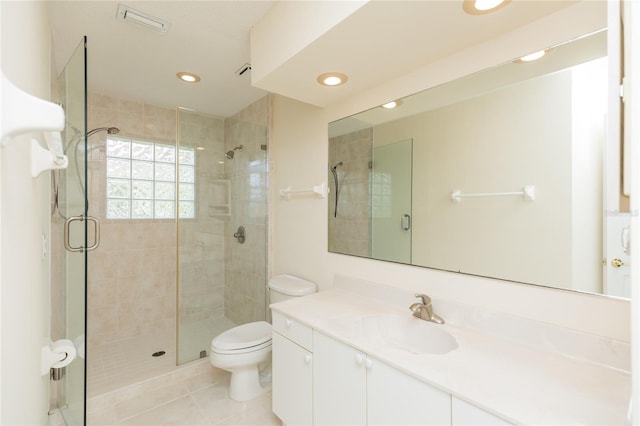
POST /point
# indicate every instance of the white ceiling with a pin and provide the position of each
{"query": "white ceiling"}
(385, 39)
(209, 38)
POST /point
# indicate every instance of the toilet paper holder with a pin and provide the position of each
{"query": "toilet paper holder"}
(57, 354)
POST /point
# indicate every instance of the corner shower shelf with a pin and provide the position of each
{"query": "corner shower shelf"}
(21, 113)
(220, 196)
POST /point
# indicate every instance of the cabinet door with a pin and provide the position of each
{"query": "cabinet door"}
(465, 414)
(395, 398)
(339, 383)
(292, 369)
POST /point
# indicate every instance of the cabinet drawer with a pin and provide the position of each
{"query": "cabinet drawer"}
(293, 330)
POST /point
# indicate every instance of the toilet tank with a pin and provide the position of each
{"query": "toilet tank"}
(284, 287)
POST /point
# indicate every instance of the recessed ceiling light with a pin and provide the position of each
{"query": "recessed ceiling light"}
(480, 7)
(392, 104)
(200, 148)
(533, 56)
(332, 79)
(189, 77)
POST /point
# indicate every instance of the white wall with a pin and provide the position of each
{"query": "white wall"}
(299, 227)
(24, 273)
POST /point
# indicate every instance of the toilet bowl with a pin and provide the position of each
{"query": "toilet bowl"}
(243, 349)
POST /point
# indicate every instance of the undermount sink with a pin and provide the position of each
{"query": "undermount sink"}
(406, 333)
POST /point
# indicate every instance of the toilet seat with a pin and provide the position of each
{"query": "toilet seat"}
(248, 337)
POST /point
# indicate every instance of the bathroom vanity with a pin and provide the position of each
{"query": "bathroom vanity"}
(348, 357)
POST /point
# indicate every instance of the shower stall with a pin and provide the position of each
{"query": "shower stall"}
(165, 281)
(168, 274)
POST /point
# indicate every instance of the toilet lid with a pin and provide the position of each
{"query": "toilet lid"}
(244, 336)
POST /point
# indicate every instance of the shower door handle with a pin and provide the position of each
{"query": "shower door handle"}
(405, 222)
(96, 229)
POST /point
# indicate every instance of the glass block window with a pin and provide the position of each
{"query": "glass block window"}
(143, 177)
(381, 195)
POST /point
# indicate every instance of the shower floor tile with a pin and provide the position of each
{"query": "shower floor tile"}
(125, 362)
(114, 365)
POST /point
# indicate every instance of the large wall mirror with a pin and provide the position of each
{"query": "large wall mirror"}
(498, 174)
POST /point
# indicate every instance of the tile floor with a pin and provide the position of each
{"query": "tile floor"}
(196, 394)
(127, 386)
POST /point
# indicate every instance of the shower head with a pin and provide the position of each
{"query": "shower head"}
(229, 155)
(336, 166)
(109, 130)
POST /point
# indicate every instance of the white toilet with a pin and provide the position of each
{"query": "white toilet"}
(240, 350)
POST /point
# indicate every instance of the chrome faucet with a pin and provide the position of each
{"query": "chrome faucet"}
(424, 310)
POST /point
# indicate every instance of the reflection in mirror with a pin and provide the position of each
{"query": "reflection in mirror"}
(488, 135)
(391, 201)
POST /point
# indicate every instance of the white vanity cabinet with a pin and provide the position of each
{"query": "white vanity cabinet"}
(292, 371)
(340, 383)
(465, 414)
(351, 387)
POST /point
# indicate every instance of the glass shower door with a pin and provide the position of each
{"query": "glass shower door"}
(69, 240)
(391, 202)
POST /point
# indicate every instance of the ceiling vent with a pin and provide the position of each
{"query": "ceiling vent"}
(128, 14)
(243, 69)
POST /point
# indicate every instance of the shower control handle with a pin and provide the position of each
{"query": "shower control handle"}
(240, 235)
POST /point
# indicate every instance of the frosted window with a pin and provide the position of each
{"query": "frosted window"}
(186, 209)
(164, 209)
(142, 150)
(142, 209)
(142, 190)
(165, 154)
(118, 188)
(187, 156)
(118, 148)
(165, 191)
(142, 170)
(186, 191)
(187, 173)
(165, 172)
(118, 209)
(117, 167)
(381, 195)
(141, 180)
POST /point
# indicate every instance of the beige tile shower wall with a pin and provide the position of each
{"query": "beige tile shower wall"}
(349, 229)
(131, 276)
(201, 240)
(247, 172)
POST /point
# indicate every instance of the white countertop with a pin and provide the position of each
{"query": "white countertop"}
(519, 383)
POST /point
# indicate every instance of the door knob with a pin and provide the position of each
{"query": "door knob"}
(616, 263)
